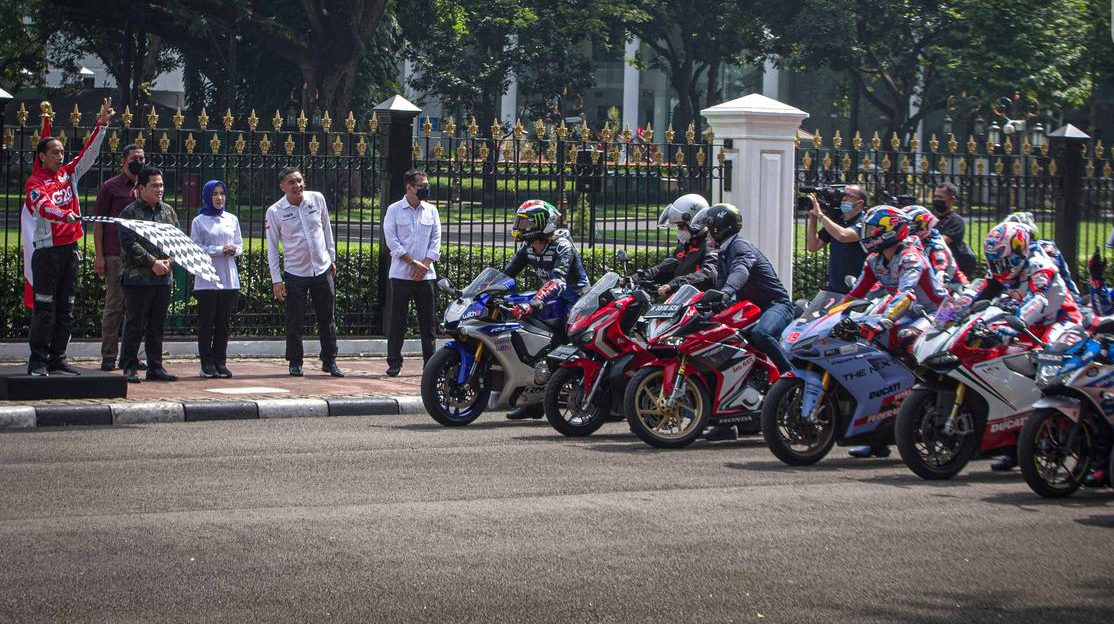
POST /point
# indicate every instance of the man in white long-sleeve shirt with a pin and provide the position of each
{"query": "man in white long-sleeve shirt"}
(412, 229)
(300, 223)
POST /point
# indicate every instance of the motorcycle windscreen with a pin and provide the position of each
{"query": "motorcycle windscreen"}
(589, 302)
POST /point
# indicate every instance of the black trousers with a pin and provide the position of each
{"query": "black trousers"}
(399, 294)
(144, 316)
(214, 311)
(54, 271)
(323, 290)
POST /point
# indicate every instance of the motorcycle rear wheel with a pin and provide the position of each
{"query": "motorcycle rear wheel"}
(1052, 466)
(660, 425)
(450, 403)
(925, 446)
(563, 393)
(785, 429)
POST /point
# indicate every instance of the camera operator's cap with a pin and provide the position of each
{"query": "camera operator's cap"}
(683, 210)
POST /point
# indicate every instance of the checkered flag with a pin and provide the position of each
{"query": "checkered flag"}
(172, 242)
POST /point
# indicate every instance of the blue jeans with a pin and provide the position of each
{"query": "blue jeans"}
(766, 333)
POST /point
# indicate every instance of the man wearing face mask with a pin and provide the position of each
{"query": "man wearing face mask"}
(694, 260)
(845, 255)
(952, 225)
(115, 194)
(412, 229)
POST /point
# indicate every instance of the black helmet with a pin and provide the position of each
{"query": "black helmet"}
(722, 220)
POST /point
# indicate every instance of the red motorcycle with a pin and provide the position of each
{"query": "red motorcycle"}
(588, 376)
(704, 371)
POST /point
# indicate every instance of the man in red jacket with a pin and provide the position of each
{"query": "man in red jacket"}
(53, 217)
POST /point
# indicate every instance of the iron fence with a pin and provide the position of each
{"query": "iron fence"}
(993, 181)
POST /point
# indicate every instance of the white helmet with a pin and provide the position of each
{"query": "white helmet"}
(682, 210)
(1025, 220)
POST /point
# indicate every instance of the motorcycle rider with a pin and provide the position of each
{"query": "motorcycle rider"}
(550, 252)
(897, 263)
(694, 260)
(1023, 272)
(744, 273)
(940, 258)
(1026, 220)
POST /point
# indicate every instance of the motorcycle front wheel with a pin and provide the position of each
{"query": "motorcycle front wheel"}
(790, 436)
(928, 445)
(564, 391)
(1054, 453)
(655, 421)
(450, 403)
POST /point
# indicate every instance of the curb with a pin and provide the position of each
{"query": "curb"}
(30, 417)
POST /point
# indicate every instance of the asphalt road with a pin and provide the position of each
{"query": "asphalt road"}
(398, 519)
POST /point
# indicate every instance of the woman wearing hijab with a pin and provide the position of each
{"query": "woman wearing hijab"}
(218, 233)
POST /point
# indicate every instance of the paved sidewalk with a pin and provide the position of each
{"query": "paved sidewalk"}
(259, 388)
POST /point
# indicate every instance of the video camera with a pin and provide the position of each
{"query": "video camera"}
(828, 195)
(898, 201)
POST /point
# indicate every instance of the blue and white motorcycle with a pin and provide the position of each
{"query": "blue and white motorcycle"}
(842, 388)
(493, 360)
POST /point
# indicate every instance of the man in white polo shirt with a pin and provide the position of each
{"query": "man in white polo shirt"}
(412, 228)
(300, 223)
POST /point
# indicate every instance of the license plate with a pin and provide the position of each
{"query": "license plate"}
(562, 353)
(662, 310)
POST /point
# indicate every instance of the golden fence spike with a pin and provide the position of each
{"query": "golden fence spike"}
(1052, 168)
(857, 141)
(999, 166)
(721, 157)
(709, 135)
(240, 143)
(914, 143)
(438, 151)
(895, 142)
(807, 160)
(585, 133)
(962, 166)
(302, 121)
(276, 121)
(1090, 169)
(126, 117)
(361, 147)
(606, 132)
(933, 144)
(865, 164)
(846, 161)
(562, 131)
(1007, 145)
(9, 138)
(253, 121)
(669, 133)
(906, 166)
(178, 119)
(539, 128)
(876, 141)
(837, 140)
(1034, 167)
(496, 129)
(264, 144)
(972, 147)
(1106, 170)
(473, 128)
(350, 122)
(140, 140)
(519, 131)
(35, 138)
(953, 145)
(817, 139)
(1099, 149)
(314, 145)
(450, 127)
(570, 154)
(203, 120)
(373, 123)
(289, 145)
(462, 151)
(941, 165)
(190, 143)
(415, 150)
(21, 115)
(228, 119)
(427, 127)
(625, 135)
(1026, 146)
(484, 151)
(886, 164)
(690, 134)
(648, 133)
(214, 143)
(152, 117)
(700, 157)
(113, 141)
(827, 161)
(528, 152)
(326, 122)
(75, 116)
(990, 145)
(507, 153)
(164, 142)
(679, 157)
(551, 152)
(338, 145)
(1044, 148)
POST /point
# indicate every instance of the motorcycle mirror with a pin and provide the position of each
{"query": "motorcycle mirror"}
(979, 306)
(446, 286)
(1015, 323)
(621, 255)
(850, 281)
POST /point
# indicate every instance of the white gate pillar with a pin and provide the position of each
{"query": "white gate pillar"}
(759, 167)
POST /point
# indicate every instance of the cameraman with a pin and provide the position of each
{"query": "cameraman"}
(952, 225)
(846, 255)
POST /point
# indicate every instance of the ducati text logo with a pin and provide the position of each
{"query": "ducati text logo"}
(1008, 425)
(884, 391)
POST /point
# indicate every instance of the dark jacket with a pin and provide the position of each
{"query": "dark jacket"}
(136, 254)
(558, 261)
(746, 274)
(693, 263)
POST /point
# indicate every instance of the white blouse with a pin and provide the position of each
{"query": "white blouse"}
(213, 233)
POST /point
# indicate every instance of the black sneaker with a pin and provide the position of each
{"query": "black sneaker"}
(223, 372)
(720, 433)
(393, 371)
(1005, 463)
(526, 412)
(108, 364)
(332, 369)
(142, 365)
(37, 369)
(62, 368)
(208, 371)
(296, 370)
(131, 375)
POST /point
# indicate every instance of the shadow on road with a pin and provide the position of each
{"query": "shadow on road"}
(1024, 497)
(1103, 522)
(486, 424)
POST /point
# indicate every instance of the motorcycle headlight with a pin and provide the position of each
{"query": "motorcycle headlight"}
(804, 345)
(673, 341)
(581, 337)
(1050, 371)
(455, 310)
(942, 361)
